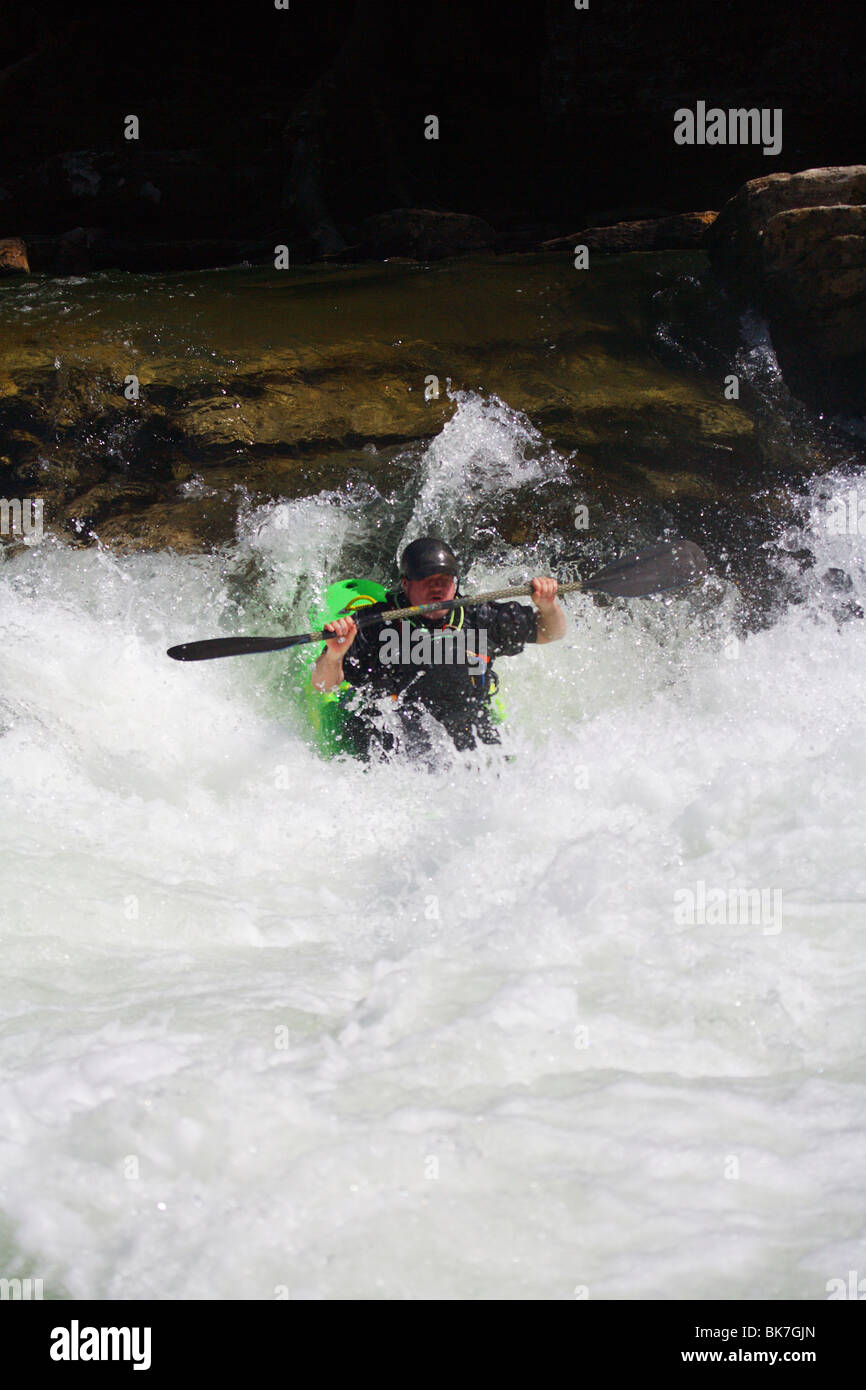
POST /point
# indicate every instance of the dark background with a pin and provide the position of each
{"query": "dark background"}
(257, 122)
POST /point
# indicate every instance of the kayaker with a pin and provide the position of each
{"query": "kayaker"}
(454, 682)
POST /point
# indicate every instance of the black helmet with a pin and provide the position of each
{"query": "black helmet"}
(428, 556)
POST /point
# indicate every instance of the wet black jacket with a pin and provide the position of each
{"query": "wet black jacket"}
(456, 693)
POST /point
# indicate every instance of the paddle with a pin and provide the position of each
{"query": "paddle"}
(652, 571)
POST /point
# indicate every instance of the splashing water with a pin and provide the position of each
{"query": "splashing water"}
(484, 451)
(271, 1023)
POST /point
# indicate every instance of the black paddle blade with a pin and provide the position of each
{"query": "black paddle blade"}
(234, 646)
(651, 571)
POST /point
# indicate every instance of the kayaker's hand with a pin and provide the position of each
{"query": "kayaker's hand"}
(345, 631)
(550, 623)
(544, 593)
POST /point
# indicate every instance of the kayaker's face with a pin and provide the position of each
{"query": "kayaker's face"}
(427, 590)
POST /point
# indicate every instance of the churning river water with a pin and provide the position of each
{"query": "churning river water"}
(580, 1018)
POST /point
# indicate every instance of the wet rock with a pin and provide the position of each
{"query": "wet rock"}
(187, 526)
(13, 256)
(345, 406)
(85, 249)
(118, 496)
(794, 246)
(681, 232)
(735, 242)
(420, 234)
(118, 471)
(76, 252)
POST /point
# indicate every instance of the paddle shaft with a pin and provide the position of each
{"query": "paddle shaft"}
(390, 614)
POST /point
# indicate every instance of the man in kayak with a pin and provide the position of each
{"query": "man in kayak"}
(439, 663)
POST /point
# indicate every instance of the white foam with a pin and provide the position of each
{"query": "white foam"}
(271, 1023)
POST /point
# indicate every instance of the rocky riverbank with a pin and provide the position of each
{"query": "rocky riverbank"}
(147, 410)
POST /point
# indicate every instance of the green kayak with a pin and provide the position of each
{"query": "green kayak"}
(326, 711)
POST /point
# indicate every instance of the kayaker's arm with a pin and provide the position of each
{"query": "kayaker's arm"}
(551, 617)
(328, 671)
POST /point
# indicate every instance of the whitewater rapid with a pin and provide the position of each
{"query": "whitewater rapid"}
(274, 1027)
